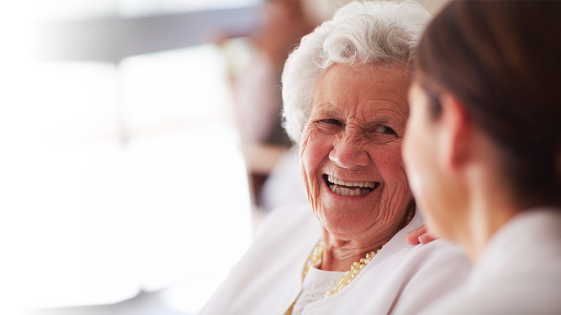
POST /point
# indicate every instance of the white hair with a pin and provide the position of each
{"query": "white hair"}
(371, 32)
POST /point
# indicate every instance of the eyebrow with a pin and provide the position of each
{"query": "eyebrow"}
(373, 115)
(381, 120)
(328, 109)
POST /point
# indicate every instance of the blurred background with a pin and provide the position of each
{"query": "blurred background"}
(140, 146)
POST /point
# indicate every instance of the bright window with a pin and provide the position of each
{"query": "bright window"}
(117, 178)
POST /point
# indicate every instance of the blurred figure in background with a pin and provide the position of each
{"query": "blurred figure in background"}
(483, 150)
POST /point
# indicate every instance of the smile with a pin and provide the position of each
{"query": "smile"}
(349, 188)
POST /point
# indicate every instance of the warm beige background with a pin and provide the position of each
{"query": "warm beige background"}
(433, 6)
(321, 10)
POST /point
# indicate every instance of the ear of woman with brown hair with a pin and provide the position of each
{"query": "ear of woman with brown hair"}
(483, 150)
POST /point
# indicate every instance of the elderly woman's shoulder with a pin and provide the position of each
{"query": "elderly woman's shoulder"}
(437, 248)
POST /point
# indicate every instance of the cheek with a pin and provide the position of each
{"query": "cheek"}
(396, 193)
(314, 150)
(420, 161)
(389, 162)
(412, 150)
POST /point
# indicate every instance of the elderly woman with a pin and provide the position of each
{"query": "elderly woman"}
(345, 106)
(483, 150)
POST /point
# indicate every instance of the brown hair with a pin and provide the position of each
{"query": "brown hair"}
(502, 60)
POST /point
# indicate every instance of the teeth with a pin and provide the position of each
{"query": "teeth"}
(348, 192)
(336, 181)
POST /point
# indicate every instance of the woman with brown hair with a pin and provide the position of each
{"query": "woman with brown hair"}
(483, 150)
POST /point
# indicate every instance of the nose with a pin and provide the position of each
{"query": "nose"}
(348, 152)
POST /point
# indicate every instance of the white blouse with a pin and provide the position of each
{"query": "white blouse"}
(316, 284)
(400, 279)
(519, 271)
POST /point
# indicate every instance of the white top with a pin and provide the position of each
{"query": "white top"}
(518, 273)
(400, 279)
(316, 284)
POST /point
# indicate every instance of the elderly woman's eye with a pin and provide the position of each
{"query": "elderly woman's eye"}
(387, 130)
(383, 134)
(329, 126)
(332, 122)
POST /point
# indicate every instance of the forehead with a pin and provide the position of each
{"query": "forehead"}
(362, 89)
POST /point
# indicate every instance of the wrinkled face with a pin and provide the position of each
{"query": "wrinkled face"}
(351, 149)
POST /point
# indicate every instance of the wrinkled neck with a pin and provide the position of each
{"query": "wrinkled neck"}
(340, 253)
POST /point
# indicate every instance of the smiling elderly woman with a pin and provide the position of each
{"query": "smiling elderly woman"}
(345, 106)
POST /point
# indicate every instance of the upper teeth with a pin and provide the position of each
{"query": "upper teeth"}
(336, 181)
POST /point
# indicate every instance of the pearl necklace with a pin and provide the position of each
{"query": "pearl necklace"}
(357, 267)
(315, 257)
(317, 253)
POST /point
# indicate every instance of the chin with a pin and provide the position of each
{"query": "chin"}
(345, 220)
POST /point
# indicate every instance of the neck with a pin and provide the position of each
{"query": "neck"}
(489, 207)
(339, 253)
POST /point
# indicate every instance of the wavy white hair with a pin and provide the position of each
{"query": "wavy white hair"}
(372, 32)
